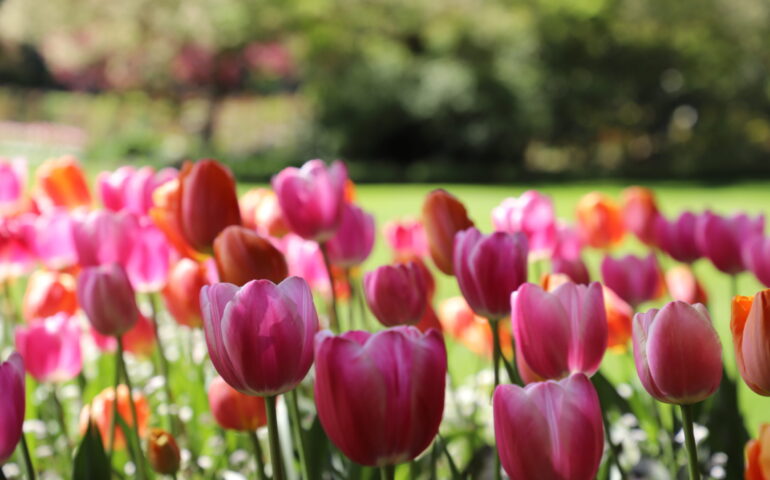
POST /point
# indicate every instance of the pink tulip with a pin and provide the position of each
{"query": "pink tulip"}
(52, 348)
(148, 261)
(721, 239)
(677, 353)
(17, 256)
(106, 296)
(311, 198)
(305, 260)
(575, 269)
(756, 257)
(51, 234)
(397, 294)
(103, 236)
(407, 239)
(380, 397)
(560, 332)
(131, 189)
(12, 414)
(13, 182)
(683, 285)
(677, 238)
(568, 244)
(260, 336)
(636, 280)
(489, 268)
(353, 241)
(549, 430)
(532, 214)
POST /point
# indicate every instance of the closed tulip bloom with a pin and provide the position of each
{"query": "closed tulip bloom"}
(100, 412)
(619, 319)
(106, 296)
(62, 183)
(148, 261)
(103, 236)
(636, 280)
(163, 452)
(130, 188)
(260, 211)
(139, 340)
(532, 214)
(260, 336)
(181, 294)
(469, 329)
(52, 348)
(396, 294)
(242, 255)
(683, 285)
(443, 215)
(167, 201)
(560, 332)
(640, 211)
(750, 326)
(758, 455)
(49, 293)
(306, 261)
(52, 237)
(677, 237)
(677, 353)
(13, 183)
(354, 239)
(12, 414)
(489, 268)
(756, 257)
(575, 269)
(407, 239)
(568, 244)
(380, 397)
(311, 198)
(721, 239)
(564, 437)
(207, 202)
(599, 220)
(234, 410)
(17, 254)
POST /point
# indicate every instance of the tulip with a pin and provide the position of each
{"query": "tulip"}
(396, 294)
(532, 214)
(17, 256)
(758, 455)
(131, 189)
(104, 236)
(163, 452)
(260, 211)
(49, 293)
(575, 269)
(242, 256)
(564, 436)
(677, 353)
(560, 332)
(443, 216)
(139, 340)
(380, 397)
(52, 348)
(260, 336)
(354, 239)
(489, 268)
(683, 285)
(207, 202)
(12, 414)
(62, 183)
(677, 238)
(312, 197)
(568, 244)
(469, 329)
(721, 239)
(148, 261)
(99, 411)
(640, 212)
(51, 235)
(13, 182)
(182, 292)
(233, 410)
(599, 221)
(750, 326)
(407, 239)
(636, 280)
(619, 317)
(756, 257)
(107, 298)
(305, 260)
(167, 200)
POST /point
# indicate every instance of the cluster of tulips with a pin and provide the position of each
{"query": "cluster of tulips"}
(254, 272)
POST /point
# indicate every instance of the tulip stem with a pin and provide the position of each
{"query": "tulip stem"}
(495, 349)
(258, 455)
(114, 416)
(296, 428)
(27, 457)
(140, 467)
(388, 472)
(272, 431)
(60, 415)
(164, 369)
(351, 300)
(692, 451)
(333, 304)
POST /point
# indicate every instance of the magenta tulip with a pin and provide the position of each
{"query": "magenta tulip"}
(756, 257)
(353, 241)
(575, 269)
(532, 214)
(260, 336)
(721, 239)
(489, 268)
(560, 332)
(677, 238)
(397, 294)
(304, 259)
(13, 401)
(636, 280)
(568, 245)
(148, 262)
(103, 236)
(549, 430)
(677, 353)
(13, 182)
(106, 296)
(130, 188)
(312, 198)
(407, 239)
(52, 348)
(380, 397)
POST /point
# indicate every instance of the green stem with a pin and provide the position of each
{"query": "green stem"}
(351, 300)
(296, 428)
(275, 446)
(27, 458)
(493, 325)
(60, 415)
(692, 451)
(140, 467)
(388, 472)
(174, 422)
(333, 304)
(114, 417)
(258, 455)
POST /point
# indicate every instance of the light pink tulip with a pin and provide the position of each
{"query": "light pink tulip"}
(13, 182)
(380, 397)
(52, 237)
(407, 239)
(354, 239)
(148, 261)
(568, 245)
(397, 294)
(103, 236)
(130, 188)
(677, 237)
(549, 430)
(635, 279)
(106, 296)
(721, 239)
(677, 353)
(560, 332)
(260, 336)
(305, 260)
(683, 285)
(13, 400)
(532, 214)
(52, 348)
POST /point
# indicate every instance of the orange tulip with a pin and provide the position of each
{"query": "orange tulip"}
(750, 325)
(443, 215)
(181, 293)
(471, 330)
(758, 455)
(234, 410)
(639, 213)
(166, 200)
(552, 281)
(619, 316)
(100, 411)
(260, 211)
(599, 221)
(242, 256)
(163, 452)
(49, 293)
(62, 183)
(683, 285)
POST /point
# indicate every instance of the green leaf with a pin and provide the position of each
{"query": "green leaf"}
(90, 460)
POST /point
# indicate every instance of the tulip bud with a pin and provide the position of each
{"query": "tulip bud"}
(683, 285)
(471, 330)
(234, 410)
(677, 238)
(242, 256)
(260, 211)
(750, 326)
(12, 385)
(163, 452)
(167, 200)
(636, 280)
(103, 236)
(148, 261)
(396, 294)
(756, 257)
(599, 221)
(758, 455)
(49, 293)
(407, 239)
(443, 216)
(62, 183)
(640, 212)
(182, 292)
(721, 239)
(140, 339)
(354, 239)
(130, 188)
(532, 214)
(52, 239)
(106, 295)
(99, 410)
(677, 353)
(52, 348)
(619, 317)
(575, 269)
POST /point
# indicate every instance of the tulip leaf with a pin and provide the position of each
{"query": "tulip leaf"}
(727, 430)
(318, 453)
(90, 460)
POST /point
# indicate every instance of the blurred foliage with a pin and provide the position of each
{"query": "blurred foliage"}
(463, 90)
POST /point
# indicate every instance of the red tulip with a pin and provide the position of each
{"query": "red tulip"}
(167, 201)
(242, 256)
(758, 455)
(52, 348)
(683, 285)
(443, 216)
(380, 397)
(599, 221)
(107, 298)
(721, 239)
(17, 254)
(619, 318)
(49, 293)
(396, 294)
(677, 238)
(99, 410)
(640, 212)
(234, 410)
(12, 414)
(750, 326)
(182, 292)
(636, 280)
(354, 239)
(62, 183)
(163, 452)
